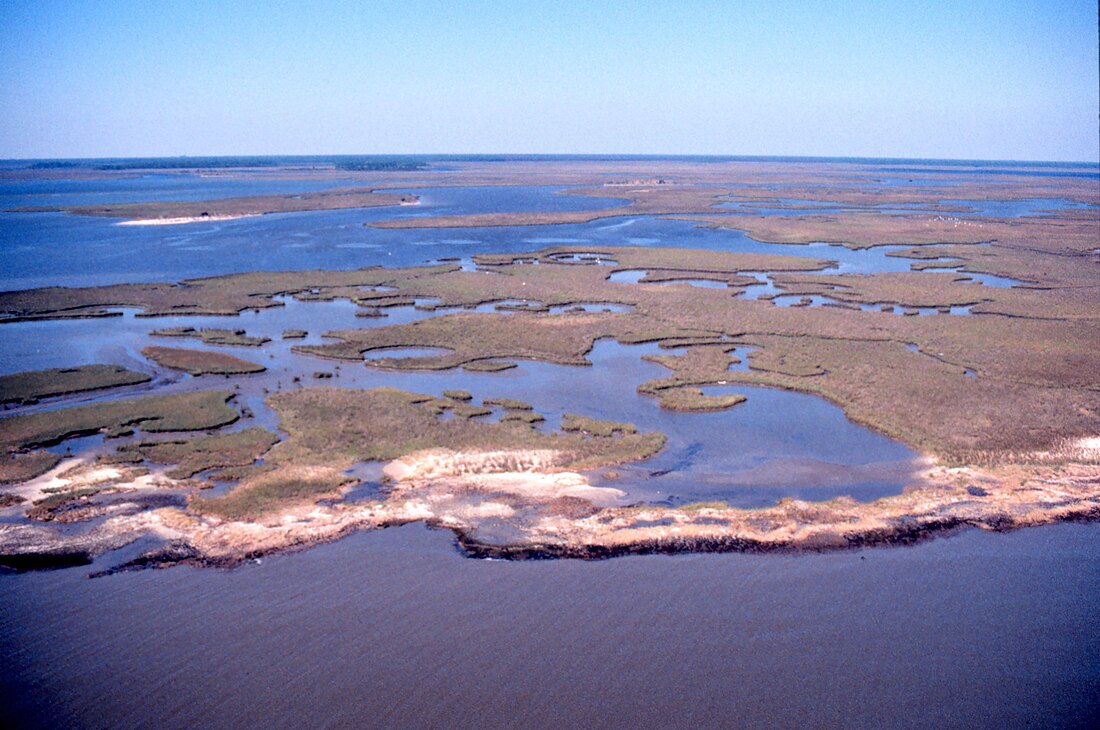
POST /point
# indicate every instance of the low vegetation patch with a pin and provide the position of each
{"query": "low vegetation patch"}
(34, 384)
(268, 490)
(200, 362)
(522, 416)
(192, 456)
(337, 199)
(331, 429)
(467, 410)
(488, 366)
(214, 336)
(595, 426)
(47, 508)
(511, 404)
(687, 398)
(17, 467)
(177, 412)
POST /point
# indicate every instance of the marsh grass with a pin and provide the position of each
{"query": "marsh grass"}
(595, 426)
(467, 410)
(488, 366)
(331, 429)
(337, 199)
(16, 468)
(195, 455)
(1032, 348)
(46, 509)
(35, 384)
(214, 336)
(522, 416)
(10, 500)
(511, 404)
(200, 362)
(193, 411)
(266, 491)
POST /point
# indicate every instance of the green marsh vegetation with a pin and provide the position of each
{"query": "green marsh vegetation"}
(200, 362)
(191, 456)
(19, 467)
(595, 426)
(35, 384)
(10, 500)
(216, 295)
(1031, 347)
(214, 336)
(331, 429)
(904, 376)
(46, 509)
(195, 411)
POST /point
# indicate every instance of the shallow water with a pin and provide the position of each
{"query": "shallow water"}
(1024, 207)
(503, 199)
(776, 444)
(56, 249)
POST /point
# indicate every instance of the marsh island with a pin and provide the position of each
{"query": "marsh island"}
(541, 386)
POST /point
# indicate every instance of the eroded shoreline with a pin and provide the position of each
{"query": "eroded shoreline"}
(544, 513)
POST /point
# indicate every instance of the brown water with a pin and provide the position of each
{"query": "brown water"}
(396, 629)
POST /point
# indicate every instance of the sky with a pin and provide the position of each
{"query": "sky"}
(959, 79)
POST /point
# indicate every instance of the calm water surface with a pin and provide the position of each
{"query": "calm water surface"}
(396, 628)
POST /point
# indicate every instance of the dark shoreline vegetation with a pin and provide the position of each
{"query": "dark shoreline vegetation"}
(999, 386)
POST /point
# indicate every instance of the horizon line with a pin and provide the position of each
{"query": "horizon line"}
(538, 156)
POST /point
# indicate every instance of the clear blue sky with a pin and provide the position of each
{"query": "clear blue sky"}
(1011, 79)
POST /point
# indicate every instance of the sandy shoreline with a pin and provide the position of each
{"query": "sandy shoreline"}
(180, 221)
(542, 513)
